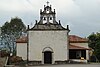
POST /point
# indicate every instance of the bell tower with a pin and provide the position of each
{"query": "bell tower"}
(48, 20)
(47, 15)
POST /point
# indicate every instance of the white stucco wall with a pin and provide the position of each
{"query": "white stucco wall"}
(57, 40)
(87, 54)
(80, 44)
(22, 50)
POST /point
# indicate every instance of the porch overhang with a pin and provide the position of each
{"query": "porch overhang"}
(74, 47)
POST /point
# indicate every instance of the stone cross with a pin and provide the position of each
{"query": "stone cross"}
(47, 3)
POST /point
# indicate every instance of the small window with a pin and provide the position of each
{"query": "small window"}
(44, 18)
(50, 18)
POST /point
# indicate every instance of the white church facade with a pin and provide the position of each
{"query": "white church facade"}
(47, 42)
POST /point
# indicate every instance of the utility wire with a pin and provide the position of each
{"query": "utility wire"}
(28, 1)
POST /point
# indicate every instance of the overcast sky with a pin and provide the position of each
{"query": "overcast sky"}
(83, 16)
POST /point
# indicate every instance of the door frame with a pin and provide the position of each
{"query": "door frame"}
(52, 54)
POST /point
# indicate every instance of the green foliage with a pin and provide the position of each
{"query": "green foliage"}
(5, 28)
(14, 27)
(11, 31)
(94, 43)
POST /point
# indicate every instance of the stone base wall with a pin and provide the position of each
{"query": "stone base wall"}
(61, 62)
(40, 62)
(34, 62)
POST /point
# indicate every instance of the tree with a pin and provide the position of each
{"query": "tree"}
(94, 43)
(5, 28)
(15, 27)
(11, 31)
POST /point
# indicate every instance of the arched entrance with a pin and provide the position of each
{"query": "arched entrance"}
(47, 57)
(47, 54)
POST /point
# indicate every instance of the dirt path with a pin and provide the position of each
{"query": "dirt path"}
(2, 61)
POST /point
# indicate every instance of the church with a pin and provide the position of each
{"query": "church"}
(48, 42)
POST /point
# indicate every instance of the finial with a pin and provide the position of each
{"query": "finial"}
(54, 10)
(36, 21)
(47, 3)
(67, 27)
(50, 5)
(59, 22)
(40, 10)
(44, 6)
(28, 27)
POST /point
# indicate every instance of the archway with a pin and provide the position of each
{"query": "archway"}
(47, 57)
(47, 54)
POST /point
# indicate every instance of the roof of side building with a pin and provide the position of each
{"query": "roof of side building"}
(77, 39)
(72, 39)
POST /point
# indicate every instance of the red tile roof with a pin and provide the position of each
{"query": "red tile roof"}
(78, 47)
(22, 40)
(77, 39)
(72, 39)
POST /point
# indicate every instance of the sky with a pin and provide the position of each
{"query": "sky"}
(82, 16)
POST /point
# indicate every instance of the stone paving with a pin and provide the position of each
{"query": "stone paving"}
(66, 65)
